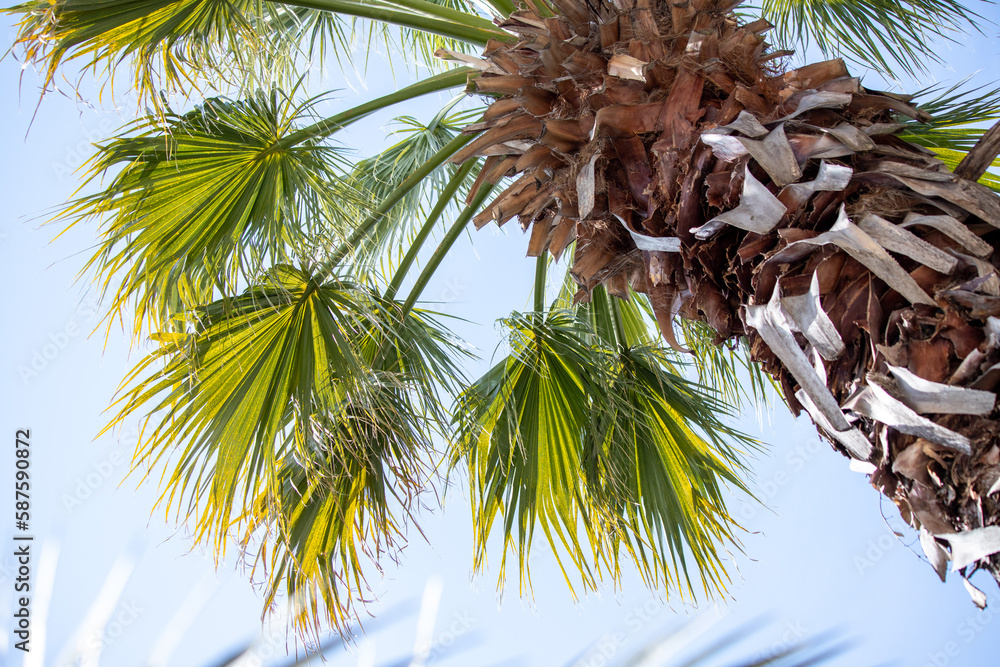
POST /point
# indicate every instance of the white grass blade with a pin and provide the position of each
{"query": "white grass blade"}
(177, 626)
(81, 650)
(425, 621)
(658, 654)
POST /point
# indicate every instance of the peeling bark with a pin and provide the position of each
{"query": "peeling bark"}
(785, 207)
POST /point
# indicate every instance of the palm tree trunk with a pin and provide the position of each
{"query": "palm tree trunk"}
(780, 206)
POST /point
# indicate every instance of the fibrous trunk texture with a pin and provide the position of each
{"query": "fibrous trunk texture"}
(665, 139)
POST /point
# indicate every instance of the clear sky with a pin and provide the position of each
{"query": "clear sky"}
(821, 556)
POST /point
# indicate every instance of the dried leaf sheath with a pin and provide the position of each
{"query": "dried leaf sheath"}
(779, 205)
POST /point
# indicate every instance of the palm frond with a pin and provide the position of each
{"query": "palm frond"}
(520, 436)
(888, 35)
(301, 413)
(378, 176)
(229, 392)
(660, 454)
(332, 514)
(561, 435)
(957, 105)
(205, 198)
(736, 380)
(232, 46)
(169, 44)
(739, 381)
(957, 116)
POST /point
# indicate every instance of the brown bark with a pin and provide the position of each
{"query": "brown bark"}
(776, 205)
(979, 159)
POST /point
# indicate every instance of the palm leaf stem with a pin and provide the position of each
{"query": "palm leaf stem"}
(431, 18)
(616, 319)
(418, 242)
(504, 7)
(540, 266)
(446, 243)
(412, 181)
(424, 7)
(324, 128)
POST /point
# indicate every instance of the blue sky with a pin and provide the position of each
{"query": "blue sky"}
(820, 556)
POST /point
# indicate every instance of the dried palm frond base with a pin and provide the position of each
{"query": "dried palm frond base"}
(782, 206)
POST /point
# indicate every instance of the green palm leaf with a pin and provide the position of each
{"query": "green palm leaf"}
(169, 43)
(332, 513)
(208, 198)
(883, 34)
(258, 365)
(304, 414)
(378, 176)
(658, 482)
(519, 437)
(957, 118)
(182, 45)
(563, 435)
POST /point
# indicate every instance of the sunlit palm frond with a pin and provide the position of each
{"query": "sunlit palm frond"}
(344, 499)
(233, 46)
(304, 414)
(520, 435)
(233, 395)
(959, 117)
(376, 177)
(208, 197)
(562, 434)
(335, 512)
(657, 482)
(739, 381)
(169, 44)
(884, 34)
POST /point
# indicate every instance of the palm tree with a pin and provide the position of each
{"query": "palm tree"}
(793, 222)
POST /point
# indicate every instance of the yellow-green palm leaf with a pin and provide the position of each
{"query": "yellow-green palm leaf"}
(604, 449)
(209, 196)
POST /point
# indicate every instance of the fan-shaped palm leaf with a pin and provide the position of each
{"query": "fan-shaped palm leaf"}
(957, 114)
(208, 196)
(563, 433)
(175, 44)
(378, 176)
(657, 482)
(257, 366)
(298, 378)
(883, 34)
(169, 43)
(329, 514)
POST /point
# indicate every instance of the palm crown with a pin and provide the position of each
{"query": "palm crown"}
(299, 400)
